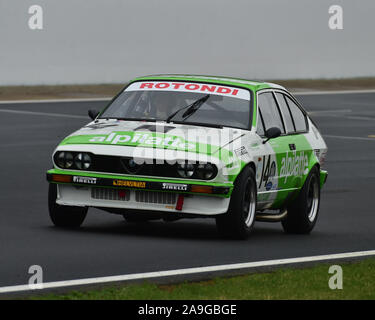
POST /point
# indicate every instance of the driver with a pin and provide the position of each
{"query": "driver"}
(163, 104)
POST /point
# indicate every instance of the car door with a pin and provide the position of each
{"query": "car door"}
(271, 151)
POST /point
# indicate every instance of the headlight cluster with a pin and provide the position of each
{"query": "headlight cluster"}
(73, 160)
(120, 165)
(205, 171)
(131, 166)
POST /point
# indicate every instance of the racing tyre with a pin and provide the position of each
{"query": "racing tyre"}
(303, 211)
(239, 220)
(64, 216)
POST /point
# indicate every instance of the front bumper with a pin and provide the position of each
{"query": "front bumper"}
(100, 190)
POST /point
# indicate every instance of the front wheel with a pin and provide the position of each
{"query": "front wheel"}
(303, 211)
(64, 216)
(239, 220)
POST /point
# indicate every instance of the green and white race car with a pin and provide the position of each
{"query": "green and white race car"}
(175, 146)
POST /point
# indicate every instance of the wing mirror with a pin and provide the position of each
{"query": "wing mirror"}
(93, 114)
(272, 133)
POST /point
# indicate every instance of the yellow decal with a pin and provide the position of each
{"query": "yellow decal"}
(132, 184)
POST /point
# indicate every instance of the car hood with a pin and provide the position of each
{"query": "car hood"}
(155, 135)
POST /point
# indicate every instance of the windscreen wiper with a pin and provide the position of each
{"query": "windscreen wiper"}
(191, 108)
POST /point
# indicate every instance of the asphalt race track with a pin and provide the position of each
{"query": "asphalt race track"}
(106, 245)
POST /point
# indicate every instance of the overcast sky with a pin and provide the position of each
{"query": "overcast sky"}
(105, 41)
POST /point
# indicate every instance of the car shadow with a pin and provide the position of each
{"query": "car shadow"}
(203, 230)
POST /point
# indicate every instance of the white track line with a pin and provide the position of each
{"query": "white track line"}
(56, 100)
(347, 138)
(307, 93)
(48, 114)
(296, 93)
(328, 112)
(187, 271)
(63, 115)
(360, 118)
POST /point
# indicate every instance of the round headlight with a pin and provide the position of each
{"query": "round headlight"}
(82, 161)
(64, 160)
(185, 170)
(206, 171)
(131, 166)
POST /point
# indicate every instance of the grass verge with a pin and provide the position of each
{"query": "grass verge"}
(284, 284)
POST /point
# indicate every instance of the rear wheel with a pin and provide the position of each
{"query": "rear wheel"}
(303, 211)
(64, 216)
(239, 220)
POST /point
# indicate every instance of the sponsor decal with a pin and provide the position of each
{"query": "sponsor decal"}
(294, 165)
(85, 180)
(190, 87)
(240, 151)
(174, 186)
(268, 172)
(129, 183)
(268, 185)
(134, 138)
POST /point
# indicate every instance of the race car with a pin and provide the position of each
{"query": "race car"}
(184, 146)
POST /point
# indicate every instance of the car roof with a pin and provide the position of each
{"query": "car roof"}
(253, 85)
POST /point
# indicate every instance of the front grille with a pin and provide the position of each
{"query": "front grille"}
(155, 197)
(114, 164)
(125, 165)
(110, 194)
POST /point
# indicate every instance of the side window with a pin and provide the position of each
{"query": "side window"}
(285, 112)
(270, 112)
(260, 125)
(298, 116)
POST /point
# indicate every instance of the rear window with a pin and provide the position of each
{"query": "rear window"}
(298, 116)
(285, 112)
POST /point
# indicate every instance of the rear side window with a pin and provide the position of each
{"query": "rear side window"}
(298, 116)
(285, 112)
(269, 111)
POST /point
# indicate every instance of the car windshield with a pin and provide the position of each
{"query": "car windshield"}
(182, 102)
